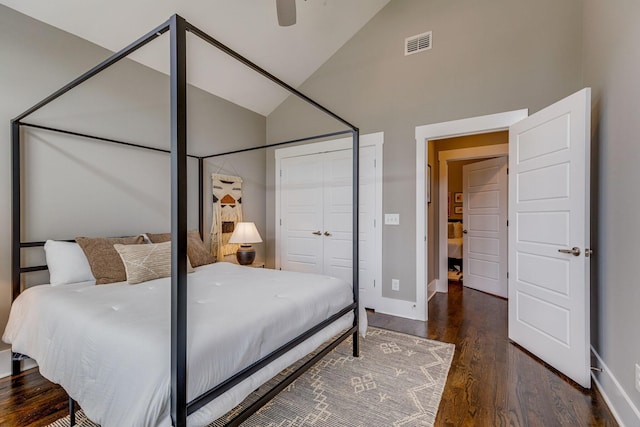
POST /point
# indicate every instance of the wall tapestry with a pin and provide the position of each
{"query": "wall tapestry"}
(227, 212)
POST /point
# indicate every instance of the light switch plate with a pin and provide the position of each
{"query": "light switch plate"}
(392, 219)
(395, 284)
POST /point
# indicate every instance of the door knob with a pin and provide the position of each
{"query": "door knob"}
(575, 251)
(464, 231)
(317, 233)
(326, 233)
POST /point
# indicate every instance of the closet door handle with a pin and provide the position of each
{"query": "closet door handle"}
(464, 231)
(326, 233)
(317, 233)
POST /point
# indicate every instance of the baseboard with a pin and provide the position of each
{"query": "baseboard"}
(399, 308)
(5, 363)
(619, 402)
(432, 289)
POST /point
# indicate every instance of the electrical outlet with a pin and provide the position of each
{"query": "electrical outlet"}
(637, 377)
(395, 285)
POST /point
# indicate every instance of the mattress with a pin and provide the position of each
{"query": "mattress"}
(108, 345)
(454, 247)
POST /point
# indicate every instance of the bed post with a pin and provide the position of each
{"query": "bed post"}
(355, 266)
(201, 197)
(178, 77)
(15, 221)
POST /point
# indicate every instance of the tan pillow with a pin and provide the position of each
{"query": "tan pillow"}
(196, 250)
(450, 230)
(147, 262)
(457, 230)
(104, 261)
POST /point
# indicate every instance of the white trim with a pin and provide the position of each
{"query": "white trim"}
(5, 363)
(618, 401)
(431, 289)
(372, 139)
(474, 125)
(444, 157)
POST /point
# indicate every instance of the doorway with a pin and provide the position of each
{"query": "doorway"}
(438, 131)
(549, 240)
(476, 207)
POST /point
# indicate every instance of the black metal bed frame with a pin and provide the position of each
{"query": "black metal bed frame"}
(180, 407)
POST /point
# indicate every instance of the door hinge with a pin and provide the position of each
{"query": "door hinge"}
(507, 223)
(507, 171)
(280, 172)
(507, 274)
(374, 223)
(281, 221)
(375, 163)
(374, 283)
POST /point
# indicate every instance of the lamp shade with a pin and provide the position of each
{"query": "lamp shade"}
(245, 232)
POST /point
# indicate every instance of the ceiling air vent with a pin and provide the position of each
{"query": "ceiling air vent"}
(419, 43)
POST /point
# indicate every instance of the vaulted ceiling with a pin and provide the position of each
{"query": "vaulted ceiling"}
(250, 27)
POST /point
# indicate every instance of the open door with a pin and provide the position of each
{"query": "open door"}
(484, 185)
(549, 235)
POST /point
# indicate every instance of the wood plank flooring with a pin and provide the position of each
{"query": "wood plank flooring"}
(492, 382)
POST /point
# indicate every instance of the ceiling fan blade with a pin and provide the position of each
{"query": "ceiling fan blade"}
(286, 12)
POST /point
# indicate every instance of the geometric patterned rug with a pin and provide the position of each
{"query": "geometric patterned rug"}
(398, 380)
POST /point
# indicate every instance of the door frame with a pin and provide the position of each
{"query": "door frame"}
(373, 139)
(424, 134)
(444, 157)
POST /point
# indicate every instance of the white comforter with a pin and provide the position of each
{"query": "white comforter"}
(108, 345)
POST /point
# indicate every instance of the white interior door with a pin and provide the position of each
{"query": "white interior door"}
(369, 290)
(301, 198)
(338, 219)
(549, 235)
(485, 255)
(316, 217)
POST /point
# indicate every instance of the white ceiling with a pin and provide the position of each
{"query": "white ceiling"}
(249, 27)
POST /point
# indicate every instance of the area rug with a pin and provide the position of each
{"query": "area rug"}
(398, 380)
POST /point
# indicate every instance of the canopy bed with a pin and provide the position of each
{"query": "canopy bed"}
(197, 383)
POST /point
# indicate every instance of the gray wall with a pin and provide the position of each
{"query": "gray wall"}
(79, 187)
(487, 57)
(611, 68)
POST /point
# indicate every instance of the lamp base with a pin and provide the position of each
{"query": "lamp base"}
(246, 255)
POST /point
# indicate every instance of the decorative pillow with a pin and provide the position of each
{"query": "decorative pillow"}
(450, 230)
(457, 230)
(147, 262)
(196, 250)
(104, 260)
(67, 263)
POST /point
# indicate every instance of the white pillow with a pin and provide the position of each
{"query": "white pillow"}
(67, 263)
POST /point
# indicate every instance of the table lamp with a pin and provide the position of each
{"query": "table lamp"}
(245, 233)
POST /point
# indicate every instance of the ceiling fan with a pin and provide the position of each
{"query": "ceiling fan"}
(286, 10)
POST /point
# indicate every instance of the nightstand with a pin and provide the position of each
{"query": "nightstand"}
(232, 259)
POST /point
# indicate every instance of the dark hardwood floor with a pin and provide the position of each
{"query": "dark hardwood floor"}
(492, 382)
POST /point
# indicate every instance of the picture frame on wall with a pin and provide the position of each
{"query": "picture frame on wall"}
(458, 198)
(458, 209)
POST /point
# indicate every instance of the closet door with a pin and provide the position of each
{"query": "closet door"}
(338, 196)
(302, 230)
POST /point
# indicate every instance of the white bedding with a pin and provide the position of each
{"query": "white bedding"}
(454, 247)
(108, 345)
